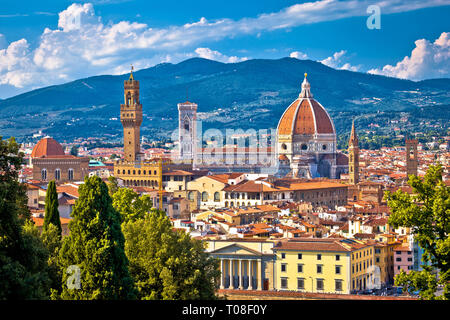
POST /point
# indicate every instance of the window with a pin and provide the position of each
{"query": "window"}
(283, 267)
(283, 255)
(409, 259)
(191, 195)
(70, 174)
(319, 257)
(216, 196)
(338, 269)
(204, 196)
(300, 268)
(338, 257)
(338, 285)
(300, 283)
(377, 260)
(377, 251)
(319, 284)
(284, 283)
(57, 174)
(299, 256)
(44, 174)
(319, 268)
(398, 259)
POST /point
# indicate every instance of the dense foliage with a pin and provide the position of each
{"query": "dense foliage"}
(23, 257)
(427, 213)
(96, 246)
(168, 264)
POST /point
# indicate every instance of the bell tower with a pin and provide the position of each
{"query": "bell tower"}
(131, 118)
(187, 125)
(353, 157)
(411, 157)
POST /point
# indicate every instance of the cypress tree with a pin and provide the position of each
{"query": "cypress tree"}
(96, 247)
(51, 207)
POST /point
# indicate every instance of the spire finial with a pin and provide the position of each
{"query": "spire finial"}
(306, 89)
(131, 73)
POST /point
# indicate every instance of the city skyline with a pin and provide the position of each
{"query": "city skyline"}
(57, 42)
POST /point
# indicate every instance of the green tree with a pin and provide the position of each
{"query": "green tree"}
(51, 238)
(74, 151)
(130, 205)
(113, 185)
(96, 246)
(427, 213)
(168, 264)
(51, 208)
(22, 260)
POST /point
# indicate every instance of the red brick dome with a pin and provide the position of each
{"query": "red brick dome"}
(305, 116)
(47, 147)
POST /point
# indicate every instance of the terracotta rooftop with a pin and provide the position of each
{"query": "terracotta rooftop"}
(47, 147)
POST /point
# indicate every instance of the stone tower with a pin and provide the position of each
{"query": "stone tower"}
(411, 157)
(187, 118)
(353, 157)
(131, 118)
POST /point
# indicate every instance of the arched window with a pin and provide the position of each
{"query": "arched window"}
(57, 174)
(70, 174)
(283, 146)
(204, 196)
(216, 196)
(191, 195)
(44, 174)
(226, 203)
(128, 99)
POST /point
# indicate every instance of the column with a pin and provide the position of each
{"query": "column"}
(230, 271)
(222, 274)
(258, 274)
(248, 275)
(240, 277)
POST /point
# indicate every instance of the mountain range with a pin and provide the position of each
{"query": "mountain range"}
(248, 94)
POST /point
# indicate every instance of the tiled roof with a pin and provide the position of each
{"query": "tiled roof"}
(314, 244)
(47, 147)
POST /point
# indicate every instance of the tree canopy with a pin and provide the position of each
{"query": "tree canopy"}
(51, 207)
(168, 264)
(130, 205)
(95, 247)
(427, 213)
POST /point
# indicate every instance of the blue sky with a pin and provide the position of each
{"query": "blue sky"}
(52, 42)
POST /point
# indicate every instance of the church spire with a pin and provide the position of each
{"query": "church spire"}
(306, 89)
(353, 157)
(353, 137)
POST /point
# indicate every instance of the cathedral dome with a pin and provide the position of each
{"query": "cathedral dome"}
(47, 147)
(305, 116)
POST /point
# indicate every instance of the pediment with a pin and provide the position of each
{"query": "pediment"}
(236, 249)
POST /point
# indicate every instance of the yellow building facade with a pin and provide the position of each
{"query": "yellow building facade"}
(323, 265)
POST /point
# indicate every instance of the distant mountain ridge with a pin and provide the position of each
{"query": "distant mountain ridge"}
(249, 94)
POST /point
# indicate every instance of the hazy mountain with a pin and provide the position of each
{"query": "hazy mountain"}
(252, 93)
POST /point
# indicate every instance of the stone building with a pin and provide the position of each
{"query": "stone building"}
(49, 162)
(306, 137)
(134, 170)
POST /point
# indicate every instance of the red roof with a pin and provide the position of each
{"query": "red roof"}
(47, 147)
(305, 116)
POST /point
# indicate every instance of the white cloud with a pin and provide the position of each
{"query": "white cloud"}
(83, 45)
(428, 60)
(298, 55)
(336, 61)
(217, 56)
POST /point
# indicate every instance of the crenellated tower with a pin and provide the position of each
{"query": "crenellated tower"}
(131, 118)
(411, 157)
(353, 157)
